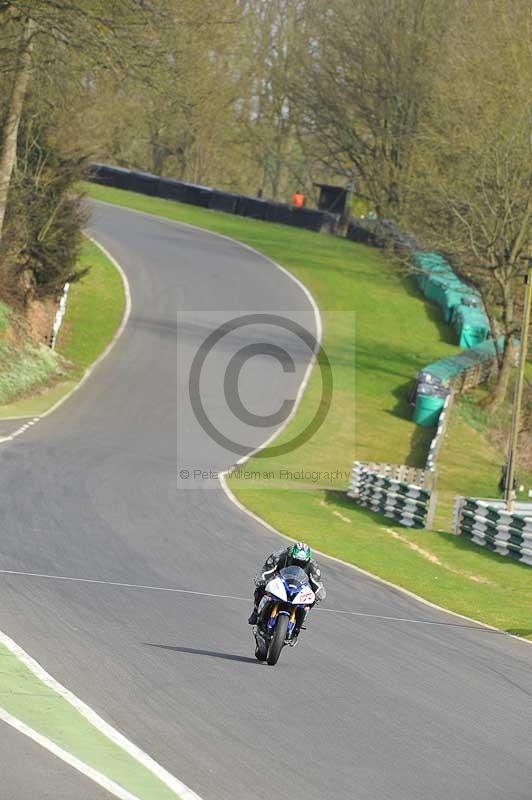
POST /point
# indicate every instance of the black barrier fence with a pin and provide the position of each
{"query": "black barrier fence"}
(205, 197)
(197, 195)
(382, 233)
(223, 201)
(144, 182)
(279, 212)
(172, 190)
(251, 207)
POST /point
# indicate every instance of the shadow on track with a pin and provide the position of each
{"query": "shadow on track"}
(212, 653)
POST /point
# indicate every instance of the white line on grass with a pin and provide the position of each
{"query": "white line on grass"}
(173, 783)
(88, 372)
(86, 711)
(107, 784)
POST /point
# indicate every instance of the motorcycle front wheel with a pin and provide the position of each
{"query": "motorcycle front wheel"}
(261, 651)
(277, 641)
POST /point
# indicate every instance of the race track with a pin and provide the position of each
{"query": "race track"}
(365, 707)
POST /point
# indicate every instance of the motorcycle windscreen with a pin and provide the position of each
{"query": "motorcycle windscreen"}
(294, 577)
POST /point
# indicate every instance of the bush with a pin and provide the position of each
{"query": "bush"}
(44, 220)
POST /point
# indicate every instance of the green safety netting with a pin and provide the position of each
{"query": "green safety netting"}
(446, 368)
(460, 304)
(471, 325)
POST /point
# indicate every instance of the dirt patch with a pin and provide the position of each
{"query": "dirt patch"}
(34, 325)
(40, 316)
(434, 558)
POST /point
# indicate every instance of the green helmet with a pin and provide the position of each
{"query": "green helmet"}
(300, 552)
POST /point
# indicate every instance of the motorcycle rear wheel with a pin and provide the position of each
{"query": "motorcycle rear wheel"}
(277, 641)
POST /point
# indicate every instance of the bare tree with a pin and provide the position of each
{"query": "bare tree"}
(14, 110)
(75, 26)
(473, 183)
(368, 80)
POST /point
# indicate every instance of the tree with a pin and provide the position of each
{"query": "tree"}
(43, 226)
(275, 36)
(98, 31)
(473, 182)
(14, 110)
(368, 78)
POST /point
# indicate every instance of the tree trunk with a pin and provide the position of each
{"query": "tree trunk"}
(503, 378)
(14, 112)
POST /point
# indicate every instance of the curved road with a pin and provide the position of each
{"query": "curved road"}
(364, 707)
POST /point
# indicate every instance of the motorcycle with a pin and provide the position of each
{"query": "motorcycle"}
(286, 593)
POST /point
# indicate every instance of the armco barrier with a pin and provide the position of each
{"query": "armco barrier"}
(204, 196)
(405, 494)
(489, 524)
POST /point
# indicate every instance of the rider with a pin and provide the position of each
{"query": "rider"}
(298, 555)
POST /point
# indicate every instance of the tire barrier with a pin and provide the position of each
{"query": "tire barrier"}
(404, 494)
(489, 524)
(203, 196)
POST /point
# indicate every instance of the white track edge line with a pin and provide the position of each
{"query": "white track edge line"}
(361, 571)
(86, 711)
(182, 791)
(222, 476)
(118, 333)
(89, 370)
(106, 783)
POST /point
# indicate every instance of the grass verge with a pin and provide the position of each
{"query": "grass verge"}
(396, 333)
(94, 311)
(28, 699)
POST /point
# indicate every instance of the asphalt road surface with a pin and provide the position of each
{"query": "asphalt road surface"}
(30, 771)
(363, 708)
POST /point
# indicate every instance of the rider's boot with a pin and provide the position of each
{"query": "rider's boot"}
(253, 617)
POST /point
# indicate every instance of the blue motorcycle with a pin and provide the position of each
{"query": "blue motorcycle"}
(286, 594)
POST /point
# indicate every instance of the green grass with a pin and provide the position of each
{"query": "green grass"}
(94, 310)
(24, 696)
(23, 369)
(4, 311)
(395, 333)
